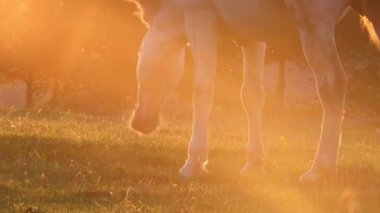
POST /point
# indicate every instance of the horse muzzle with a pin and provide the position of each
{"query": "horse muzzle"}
(144, 124)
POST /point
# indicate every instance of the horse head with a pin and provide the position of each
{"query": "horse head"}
(160, 66)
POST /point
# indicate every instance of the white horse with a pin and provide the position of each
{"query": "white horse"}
(199, 23)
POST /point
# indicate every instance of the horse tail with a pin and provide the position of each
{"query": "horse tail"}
(369, 26)
(369, 11)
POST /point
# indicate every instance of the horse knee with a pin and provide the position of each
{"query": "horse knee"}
(332, 93)
(252, 97)
(203, 90)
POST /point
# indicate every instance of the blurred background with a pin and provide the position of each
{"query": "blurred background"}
(81, 55)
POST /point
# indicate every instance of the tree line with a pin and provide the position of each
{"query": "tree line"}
(84, 53)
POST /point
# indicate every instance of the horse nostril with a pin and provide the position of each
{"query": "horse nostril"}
(144, 125)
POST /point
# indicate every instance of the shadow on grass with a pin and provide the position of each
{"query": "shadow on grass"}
(125, 160)
(58, 158)
(73, 173)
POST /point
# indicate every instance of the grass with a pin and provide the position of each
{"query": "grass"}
(67, 162)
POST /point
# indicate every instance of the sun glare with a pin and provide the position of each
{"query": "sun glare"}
(213, 107)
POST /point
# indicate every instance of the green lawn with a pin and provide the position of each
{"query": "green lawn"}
(67, 162)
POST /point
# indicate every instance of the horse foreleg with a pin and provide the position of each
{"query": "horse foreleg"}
(253, 102)
(201, 26)
(320, 50)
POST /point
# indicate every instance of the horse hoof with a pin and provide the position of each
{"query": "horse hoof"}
(186, 172)
(189, 172)
(319, 176)
(248, 171)
(309, 178)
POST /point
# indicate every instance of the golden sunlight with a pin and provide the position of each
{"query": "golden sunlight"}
(203, 106)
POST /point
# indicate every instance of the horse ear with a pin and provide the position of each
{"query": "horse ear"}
(146, 9)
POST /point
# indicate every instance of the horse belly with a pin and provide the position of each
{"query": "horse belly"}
(264, 20)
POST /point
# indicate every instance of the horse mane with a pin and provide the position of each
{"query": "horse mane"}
(146, 9)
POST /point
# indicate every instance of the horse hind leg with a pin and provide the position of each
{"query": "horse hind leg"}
(320, 50)
(253, 102)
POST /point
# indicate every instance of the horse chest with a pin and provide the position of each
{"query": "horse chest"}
(266, 20)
